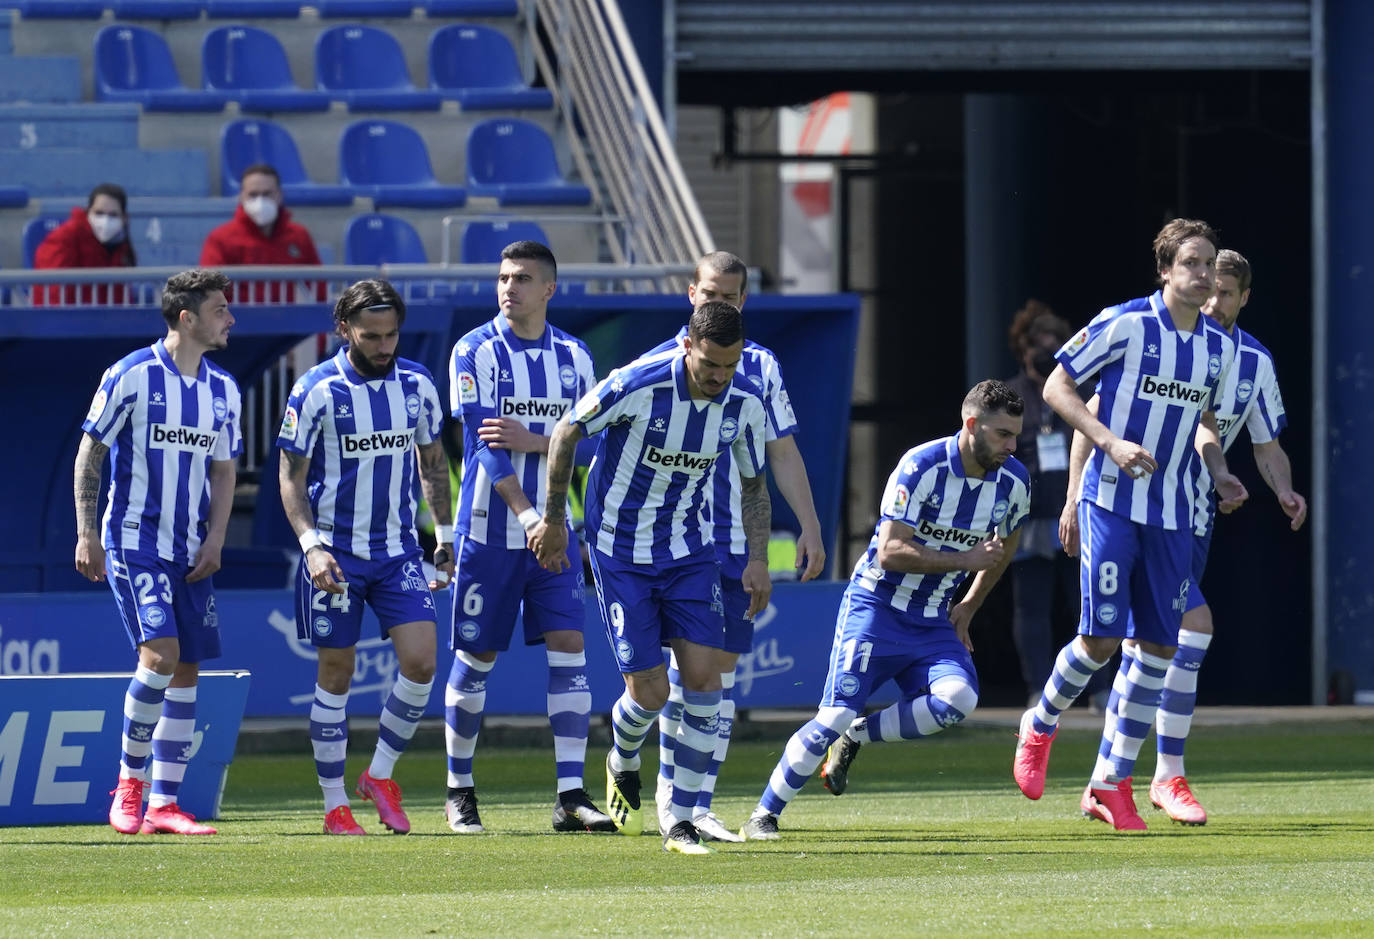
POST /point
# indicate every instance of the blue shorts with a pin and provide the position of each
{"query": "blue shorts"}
(495, 586)
(1202, 544)
(866, 653)
(395, 588)
(739, 629)
(1135, 579)
(644, 606)
(156, 602)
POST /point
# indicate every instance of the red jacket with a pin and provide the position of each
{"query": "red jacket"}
(241, 241)
(73, 244)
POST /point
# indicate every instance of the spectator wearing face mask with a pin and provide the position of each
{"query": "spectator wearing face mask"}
(261, 232)
(96, 236)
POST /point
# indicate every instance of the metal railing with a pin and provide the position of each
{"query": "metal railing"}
(601, 85)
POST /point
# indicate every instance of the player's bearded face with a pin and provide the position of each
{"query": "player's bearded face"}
(372, 337)
(210, 324)
(711, 367)
(994, 439)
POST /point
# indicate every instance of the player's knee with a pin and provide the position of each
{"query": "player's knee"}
(836, 718)
(1198, 620)
(952, 700)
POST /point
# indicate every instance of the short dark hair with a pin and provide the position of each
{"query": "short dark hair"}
(717, 322)
(188, 290)
(991, 395)
(723, 262)
(1234, 264)
(114, 191)
(1172, 236)
(265, 169)
(368, 295)
(531, 251)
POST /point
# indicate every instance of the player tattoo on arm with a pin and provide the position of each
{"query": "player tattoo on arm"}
(294, 500)
(90, 456)
(434, 481)
(756, 515)
(562, 449)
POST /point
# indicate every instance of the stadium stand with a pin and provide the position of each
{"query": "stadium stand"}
(388, 162)
(245, 142)
(471, 7)
(156, 9)
(255, 9)
(338, 8)
(249, 66)
(62, 9)
(382, 239)
(35, 230)
(365, 67)
(13, 197)
(476, 66)
(513, 161)
(134, 64)
(483, 241)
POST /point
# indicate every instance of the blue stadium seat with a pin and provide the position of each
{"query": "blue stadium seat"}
(63, 9)
(471, 7)
(134, 64)
(476, 66)
(252, 9)
(249, 65)
(382, 239)
(13, 197)
(35, 230)
(243, 143)
(366, 67)
(513, 160)
(389, 162)
(483, 242)
(335, 8)
(157, 9)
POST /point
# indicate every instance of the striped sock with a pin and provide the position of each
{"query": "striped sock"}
(669, 719)
(465, 698)
(570, 707)
(696, 742)
(400, 716)
(1135, 712)
(172, 744)
(142, 709)
(329, 741)
(723, 728)
(1176, 705)
(630, 724)
(1072, 669)
(801, 756)
(950, 701)
(1103, 767)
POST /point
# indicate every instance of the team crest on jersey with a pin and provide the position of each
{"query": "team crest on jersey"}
(413, 405)
(1077, 342)
(999, 511)
(848, 684)
(568, 376)
(289, 422)
(220, 407)
(414, 578)
(468, 630)
(1106, 614)
(154, 616)
(756, 381)
(97, 405)
(1213, 366)
(211, 616)
(1244, 390)
(323, 626)
(624, 650)
(901, 496)
(729, 429)
(467, 388)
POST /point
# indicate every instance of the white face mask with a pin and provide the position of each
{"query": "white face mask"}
(107, 228)
(262, 210)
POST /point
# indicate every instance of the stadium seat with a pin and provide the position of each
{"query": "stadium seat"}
(483, 242)
(366, 67)
(471, 7)
(476, 66)
(382, 239)
(336, 8)
(35, 230)
(245, 142)
(63, 9)
(249, 65)
(388, 162)
(134, 64)
(157, 9)
(252, 9)
(513, 161)
(13, 197)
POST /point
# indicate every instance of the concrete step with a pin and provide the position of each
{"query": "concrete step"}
(88, 126)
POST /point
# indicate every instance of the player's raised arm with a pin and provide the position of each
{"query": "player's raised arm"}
(90, 554)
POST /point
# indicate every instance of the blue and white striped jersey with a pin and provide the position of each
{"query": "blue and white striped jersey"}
(947, 510)
(163, 430)
(1249, 399)
(360, 435)
(760, 367)
(495, 373)
(647, 490)
(1153, 385)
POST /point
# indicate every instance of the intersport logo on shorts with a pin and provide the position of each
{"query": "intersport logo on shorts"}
(378, 443)
(546, 408)
(693, 463)
(1172, 391)
(948, 534)
(187, 439)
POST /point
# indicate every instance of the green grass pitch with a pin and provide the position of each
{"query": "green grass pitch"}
(932, 839)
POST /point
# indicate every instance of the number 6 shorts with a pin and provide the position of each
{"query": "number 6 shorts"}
(494, 587)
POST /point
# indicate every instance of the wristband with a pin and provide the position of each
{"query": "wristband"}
(311, 539)
(443, 534)
(529, 518)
